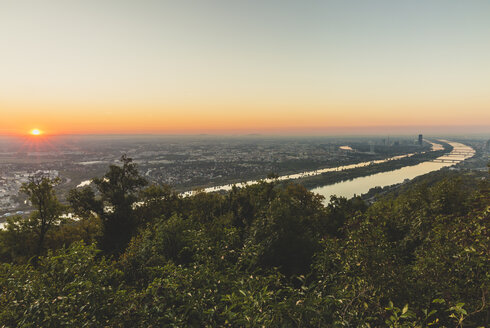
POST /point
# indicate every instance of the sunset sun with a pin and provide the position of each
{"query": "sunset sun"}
(35, 132)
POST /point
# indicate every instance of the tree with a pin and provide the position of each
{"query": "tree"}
(84, 203)
(40, 190)
(158, 201)
(287, 233)
(118, 190)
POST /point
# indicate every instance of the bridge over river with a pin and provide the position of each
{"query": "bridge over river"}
(362, 185)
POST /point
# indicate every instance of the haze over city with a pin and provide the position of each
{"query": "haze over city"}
(228, 67)
(254, 163)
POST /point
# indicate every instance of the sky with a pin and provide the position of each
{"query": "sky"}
(256, 66)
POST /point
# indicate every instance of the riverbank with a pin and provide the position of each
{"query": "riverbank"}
(361, 185)
(435, 147)
(346, 175)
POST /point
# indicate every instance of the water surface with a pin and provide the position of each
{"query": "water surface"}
(362, 185)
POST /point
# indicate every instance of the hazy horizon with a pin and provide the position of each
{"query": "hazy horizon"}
(187, 67)
(479, 130)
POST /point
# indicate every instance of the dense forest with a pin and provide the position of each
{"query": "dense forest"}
(130, 254)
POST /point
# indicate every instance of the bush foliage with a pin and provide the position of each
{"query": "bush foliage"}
(266, 255)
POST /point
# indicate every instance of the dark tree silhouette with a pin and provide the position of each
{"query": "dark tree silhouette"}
(40, 190)
(118, 190)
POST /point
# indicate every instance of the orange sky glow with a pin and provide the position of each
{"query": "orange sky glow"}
(286, 118)
(309, 67)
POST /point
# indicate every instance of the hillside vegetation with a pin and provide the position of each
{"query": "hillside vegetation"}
(267, 255)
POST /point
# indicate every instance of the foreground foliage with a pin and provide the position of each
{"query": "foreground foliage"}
(262, 256)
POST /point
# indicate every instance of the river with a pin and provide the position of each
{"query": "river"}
(435, 147)
(362, 185)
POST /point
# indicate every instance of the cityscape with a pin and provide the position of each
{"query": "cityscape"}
(188, 163)
(249, 164)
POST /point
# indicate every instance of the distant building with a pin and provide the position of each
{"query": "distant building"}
(421, 138)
